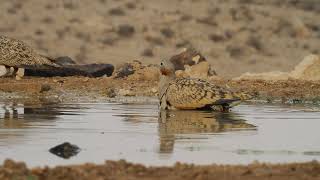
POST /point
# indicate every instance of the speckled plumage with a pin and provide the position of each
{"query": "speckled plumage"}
(17, 54)
(189, 93)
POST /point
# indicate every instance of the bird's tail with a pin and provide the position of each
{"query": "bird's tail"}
(241, 97)
(49, 62)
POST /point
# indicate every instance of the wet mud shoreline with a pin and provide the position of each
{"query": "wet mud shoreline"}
(125, 170)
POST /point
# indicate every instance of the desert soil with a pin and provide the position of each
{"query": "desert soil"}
(236, 36)
(124, 170)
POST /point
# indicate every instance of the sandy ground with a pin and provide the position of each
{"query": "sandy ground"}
(236, 36)
(124, 170)
(83, 89)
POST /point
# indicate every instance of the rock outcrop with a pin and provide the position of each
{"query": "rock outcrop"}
(307, 69)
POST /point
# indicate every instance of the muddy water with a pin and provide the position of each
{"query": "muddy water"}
(139, 133)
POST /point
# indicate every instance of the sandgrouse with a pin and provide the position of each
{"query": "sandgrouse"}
(190, 93)
(15, 53)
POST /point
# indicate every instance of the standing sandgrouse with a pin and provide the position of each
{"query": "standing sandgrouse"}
(189, 93)
(15, 53)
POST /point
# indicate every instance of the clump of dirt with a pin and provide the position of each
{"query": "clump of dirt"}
(125, 170)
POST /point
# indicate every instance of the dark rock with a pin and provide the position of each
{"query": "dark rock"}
(208, 21)
(70, 5)
(167, 32)
(131, 5)
(109, 41)
(154, 40)
(185, 17)
(235, 50)
(96, 70)
(217, 37)
(126, 30)
(186, 58)
(90, 70)
(63, 71)
(116, 11)
(65, 150)
(148, 52)
(45, 87)
(39, 32)
(255, 42)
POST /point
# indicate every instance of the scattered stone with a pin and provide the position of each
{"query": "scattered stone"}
(124, 70)
(217, 37)
(235, 50)
(131, 5)
(45, 87)
(307, 69)
(125, 30)
(154, 39)
(185, 17)
(147, 52)
(111, 93)
(208, 21)
(70, 5)
(255, 42)
(86, 79)
(167, 32)
(65, 150)
(148, 73)
(109, 41)
(116, 11)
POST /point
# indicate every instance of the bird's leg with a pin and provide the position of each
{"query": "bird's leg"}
(220, 108)
(15, 70)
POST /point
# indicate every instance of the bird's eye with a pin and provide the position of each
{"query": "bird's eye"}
(161, 64)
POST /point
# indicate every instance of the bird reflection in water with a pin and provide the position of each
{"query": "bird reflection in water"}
(173, 123)
(21, 115)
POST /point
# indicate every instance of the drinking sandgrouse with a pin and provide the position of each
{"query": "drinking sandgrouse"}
(190, 93)
(15, 53)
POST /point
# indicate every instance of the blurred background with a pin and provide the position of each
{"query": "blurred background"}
(235, 36)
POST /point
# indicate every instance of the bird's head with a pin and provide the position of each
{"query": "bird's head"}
(167, 68)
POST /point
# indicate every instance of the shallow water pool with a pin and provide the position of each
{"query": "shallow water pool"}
(139, 133)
